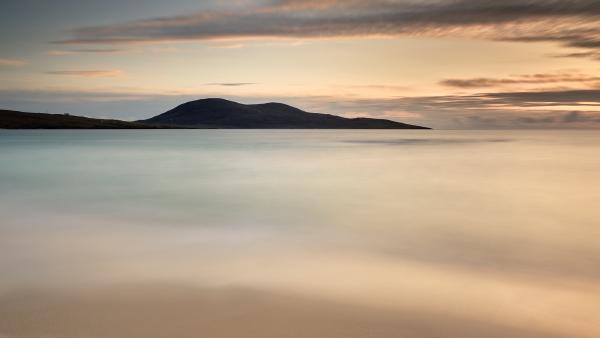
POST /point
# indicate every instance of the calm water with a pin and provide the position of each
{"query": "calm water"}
(498, 228)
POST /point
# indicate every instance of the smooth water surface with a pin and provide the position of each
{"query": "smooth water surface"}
(210, 233)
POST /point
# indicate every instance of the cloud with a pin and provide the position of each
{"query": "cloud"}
(536, 79)
(12, 62)
(536, 120)
(584, 98)
(570, 22)
(230, 46)
(88, 73)
(232, 84)
(590, 55)
(84, 51)
(427, 141)
(390, 115)
(576, 116)
(573, 116)
(492, 110)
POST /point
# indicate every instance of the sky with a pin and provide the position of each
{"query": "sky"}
(447, 64)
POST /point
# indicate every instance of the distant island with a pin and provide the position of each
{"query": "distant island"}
(213, 113)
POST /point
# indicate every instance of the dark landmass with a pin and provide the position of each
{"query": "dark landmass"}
(220, 113)
(204, 114)
(10, 119)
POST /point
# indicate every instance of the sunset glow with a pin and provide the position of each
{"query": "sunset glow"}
(445, 64)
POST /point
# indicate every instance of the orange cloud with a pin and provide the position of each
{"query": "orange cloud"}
(83, 51)
(88, 73)
(12, 62)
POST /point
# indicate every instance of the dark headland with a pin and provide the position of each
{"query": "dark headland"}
(10, 119)
(205, 114)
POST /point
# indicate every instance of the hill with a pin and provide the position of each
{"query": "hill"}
(205, 113)
(220, 113)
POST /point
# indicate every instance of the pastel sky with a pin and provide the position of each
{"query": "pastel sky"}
(442, 63)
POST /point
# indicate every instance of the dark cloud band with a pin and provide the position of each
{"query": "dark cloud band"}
(533, 79)
(571, 22)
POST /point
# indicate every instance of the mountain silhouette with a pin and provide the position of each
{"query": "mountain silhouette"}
(221, 113)
(205, 114)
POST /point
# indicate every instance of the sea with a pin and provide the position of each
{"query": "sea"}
(299, 233)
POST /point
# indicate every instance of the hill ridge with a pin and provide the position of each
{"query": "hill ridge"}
(222, 113)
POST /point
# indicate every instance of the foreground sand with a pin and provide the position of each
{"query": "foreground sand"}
(170, 311)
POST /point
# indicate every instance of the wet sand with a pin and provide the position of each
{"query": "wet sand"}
(171, 311)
